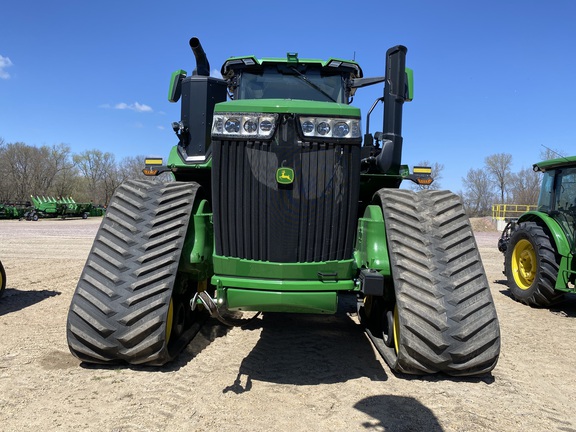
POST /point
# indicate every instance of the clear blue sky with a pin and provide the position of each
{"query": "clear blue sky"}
(491, 76)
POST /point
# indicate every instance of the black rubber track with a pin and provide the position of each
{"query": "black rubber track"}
(119, 309)
(2, 279)
(542, 292)
(446, 313)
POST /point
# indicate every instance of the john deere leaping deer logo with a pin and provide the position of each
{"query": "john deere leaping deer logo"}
(285, 175)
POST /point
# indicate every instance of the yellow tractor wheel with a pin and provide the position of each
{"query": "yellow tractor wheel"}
(531, 265)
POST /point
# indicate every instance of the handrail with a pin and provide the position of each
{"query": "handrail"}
(510, 211)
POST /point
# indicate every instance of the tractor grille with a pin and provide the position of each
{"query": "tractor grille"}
(313, 219)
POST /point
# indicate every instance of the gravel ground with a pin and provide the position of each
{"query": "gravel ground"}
(285, 372)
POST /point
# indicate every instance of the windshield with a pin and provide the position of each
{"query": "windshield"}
(270, 83)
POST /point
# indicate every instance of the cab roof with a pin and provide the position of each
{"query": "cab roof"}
(291, 59)
(555, 163)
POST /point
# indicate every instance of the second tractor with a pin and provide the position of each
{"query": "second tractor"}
(539, 247)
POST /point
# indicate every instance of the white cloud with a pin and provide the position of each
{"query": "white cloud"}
(5, 62)
(138, 107)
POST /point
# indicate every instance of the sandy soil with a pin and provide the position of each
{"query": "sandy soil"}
(285, 372)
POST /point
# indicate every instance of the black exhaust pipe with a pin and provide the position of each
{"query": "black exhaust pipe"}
(200, 93)
(202, 65)
(394, 96)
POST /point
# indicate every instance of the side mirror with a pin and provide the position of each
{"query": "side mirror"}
(175, 90)
(409, 95)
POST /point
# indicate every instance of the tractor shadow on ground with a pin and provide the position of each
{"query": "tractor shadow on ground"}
(319, 349)
(14, 300)
(397, 413)
(566, 307)
(307, 349)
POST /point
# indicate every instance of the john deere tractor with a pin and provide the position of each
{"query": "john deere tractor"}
(539, 247)
(279, 204)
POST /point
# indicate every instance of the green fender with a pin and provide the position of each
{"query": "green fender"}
(196, 258)
(560, 241)
(371, 247)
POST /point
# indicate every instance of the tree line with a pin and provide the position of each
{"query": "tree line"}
(93, 176)
(55, 171)
(495, 183)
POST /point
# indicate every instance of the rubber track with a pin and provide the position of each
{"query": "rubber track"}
(119, 309)
(2, 279)
(447, 317)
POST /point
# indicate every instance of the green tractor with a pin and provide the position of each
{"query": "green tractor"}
(539, 247)
(279, 204)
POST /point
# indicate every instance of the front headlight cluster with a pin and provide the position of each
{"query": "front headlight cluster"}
(322, 127)
(238, 125)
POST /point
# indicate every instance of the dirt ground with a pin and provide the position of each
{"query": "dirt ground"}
(285, 372)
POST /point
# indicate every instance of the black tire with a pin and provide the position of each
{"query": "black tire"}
(2, 279)
(444, 315)
(130, 285)
(531, 266)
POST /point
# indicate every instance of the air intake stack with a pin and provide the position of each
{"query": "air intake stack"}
(200, 92)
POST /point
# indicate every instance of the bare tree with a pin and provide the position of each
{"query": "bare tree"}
(131, 168)
(478, 195)
(98, 169)
(499, 167)
(548, 153)
(525, 186)
(66, 179)
(18, 170)
(46, 164)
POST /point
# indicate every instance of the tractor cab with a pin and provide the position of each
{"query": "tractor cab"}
(558, 194)
(290, 78)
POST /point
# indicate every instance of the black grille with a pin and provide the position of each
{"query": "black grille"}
(313, 219)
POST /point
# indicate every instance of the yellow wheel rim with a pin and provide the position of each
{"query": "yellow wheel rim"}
(169, 319)
(396, 330)
(524, 264)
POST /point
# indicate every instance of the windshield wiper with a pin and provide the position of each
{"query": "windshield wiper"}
(304, 78)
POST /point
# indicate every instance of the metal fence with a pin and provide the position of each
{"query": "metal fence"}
(510, 211)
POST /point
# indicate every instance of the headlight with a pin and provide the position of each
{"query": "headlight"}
(240, 125)
(321, 127)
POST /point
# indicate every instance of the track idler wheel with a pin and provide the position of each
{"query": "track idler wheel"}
(389, 332)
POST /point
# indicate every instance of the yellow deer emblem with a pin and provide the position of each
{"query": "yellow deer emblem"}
(285, 175)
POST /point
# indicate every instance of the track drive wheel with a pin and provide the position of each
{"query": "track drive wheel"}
(531, 265)
(132, 304)
(438, 315)
(2, 279)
